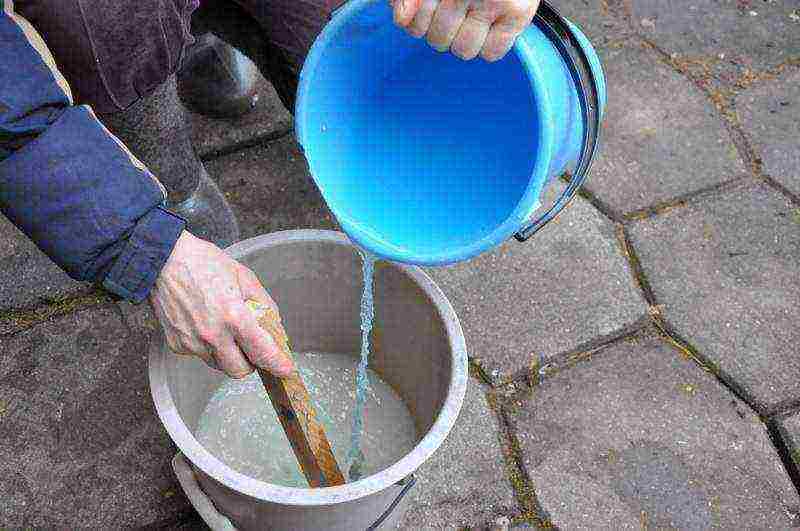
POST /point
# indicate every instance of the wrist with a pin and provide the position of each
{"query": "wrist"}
(150, 245)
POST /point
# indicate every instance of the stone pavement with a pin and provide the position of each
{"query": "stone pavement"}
(635, 366)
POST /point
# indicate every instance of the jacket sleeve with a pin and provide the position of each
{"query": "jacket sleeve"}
(67, 182)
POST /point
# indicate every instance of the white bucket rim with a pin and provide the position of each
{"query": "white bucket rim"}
(259, 490)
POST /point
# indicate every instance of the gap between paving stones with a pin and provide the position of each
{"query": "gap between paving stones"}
(17, 320)
(500, 400)
(738, 137)
(779, 437)
(252, 142)
(682, 200)
(531, 512)
(520, 482)
(561, 359)
(723, 103)
(538, 372)
(661, 324)
(515, 397)
(521, 387)
(769, 418)
(593, 200)
(688, 351)
(635, 265)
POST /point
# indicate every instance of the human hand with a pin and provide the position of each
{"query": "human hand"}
(199, 299)
(467, 28)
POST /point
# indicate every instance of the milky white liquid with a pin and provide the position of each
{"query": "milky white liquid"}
(239, 425)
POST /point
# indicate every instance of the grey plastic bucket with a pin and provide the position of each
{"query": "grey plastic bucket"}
(418, 348)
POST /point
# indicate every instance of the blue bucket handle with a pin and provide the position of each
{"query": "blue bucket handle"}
(564, 38)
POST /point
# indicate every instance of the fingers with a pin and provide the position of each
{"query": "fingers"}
(252, 288)
(447, 20)
(405, 11)
(468, 28)
(231, 359)
(419, 25)
(507, 27)
(470, 38)
(498, 42)
(260, 347)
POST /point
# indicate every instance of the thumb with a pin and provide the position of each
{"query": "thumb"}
(405, 11)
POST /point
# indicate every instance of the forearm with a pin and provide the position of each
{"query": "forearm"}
(69, 184)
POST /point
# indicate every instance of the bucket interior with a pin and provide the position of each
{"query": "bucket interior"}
(430, 152)
(317, 286)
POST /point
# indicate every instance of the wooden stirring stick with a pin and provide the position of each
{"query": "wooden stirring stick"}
(295, 410)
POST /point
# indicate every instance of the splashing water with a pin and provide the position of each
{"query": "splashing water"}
(240, 428)
(356, 456)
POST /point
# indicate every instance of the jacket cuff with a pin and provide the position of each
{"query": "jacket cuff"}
(139, 263)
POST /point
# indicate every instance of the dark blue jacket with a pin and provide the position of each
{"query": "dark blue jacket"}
(67, 182)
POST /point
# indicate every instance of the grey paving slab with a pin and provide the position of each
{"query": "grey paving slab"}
(81, 445)
(726, 271)
(464, 484)
(268, 118)
(770, 115)
(661, 138)
(639, 437)
(564, 287)
(27, 275)
(596, 19)
(270, 189)
(727, 36)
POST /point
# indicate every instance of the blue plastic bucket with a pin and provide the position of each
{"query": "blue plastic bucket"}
(427, 159)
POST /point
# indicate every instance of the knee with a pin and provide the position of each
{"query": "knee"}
(112, 53)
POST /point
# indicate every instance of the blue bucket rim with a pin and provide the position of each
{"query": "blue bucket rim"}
(518, 215)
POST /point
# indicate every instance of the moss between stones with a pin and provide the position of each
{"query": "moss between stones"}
(13, 321)
(523, 487)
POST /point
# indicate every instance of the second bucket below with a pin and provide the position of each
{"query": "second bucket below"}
(425, 158)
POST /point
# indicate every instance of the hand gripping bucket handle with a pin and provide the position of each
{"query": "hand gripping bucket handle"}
(564, 38)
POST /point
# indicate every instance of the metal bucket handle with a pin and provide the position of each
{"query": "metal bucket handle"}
(552, 24)
(406, 483)
(219, 522)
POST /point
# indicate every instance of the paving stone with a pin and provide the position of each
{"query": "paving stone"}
(270, 189)
(596, 20)
(660, 138)
(82, 445)
(560, 289)
(639, 437)
(727, 37)
(726, 271)
(465, 482)
(28, 276)
(268, 118)
(770, 115)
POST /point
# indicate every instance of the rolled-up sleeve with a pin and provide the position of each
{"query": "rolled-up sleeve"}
(68, 183)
